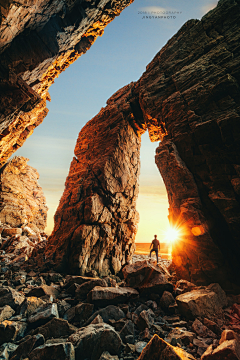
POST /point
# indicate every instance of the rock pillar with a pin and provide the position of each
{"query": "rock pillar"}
(96, 221)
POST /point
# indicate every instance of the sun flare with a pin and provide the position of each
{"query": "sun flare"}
(171, 235)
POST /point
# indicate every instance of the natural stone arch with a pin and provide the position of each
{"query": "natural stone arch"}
(189, 98)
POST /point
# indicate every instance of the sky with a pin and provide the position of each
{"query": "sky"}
(118, 57)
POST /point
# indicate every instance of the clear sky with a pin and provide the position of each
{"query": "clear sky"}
(120, 56)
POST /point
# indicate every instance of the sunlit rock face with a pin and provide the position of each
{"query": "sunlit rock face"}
(96, 221)
(38, 40)
(22, 202)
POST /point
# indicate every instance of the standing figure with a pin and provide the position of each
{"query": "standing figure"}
(155, 246)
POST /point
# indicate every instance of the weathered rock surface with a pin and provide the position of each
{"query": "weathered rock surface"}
(39, 40)
(61, 351)
(22, 201)
(93, 340)
(201, 302)
(111, 295)
(147, 277)
(96, 221)
(158, 349)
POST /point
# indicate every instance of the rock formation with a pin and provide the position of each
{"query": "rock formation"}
(96, 221)
(22, 202)
(39, 40)
(188, 98)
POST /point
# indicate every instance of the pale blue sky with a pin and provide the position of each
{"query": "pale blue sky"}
(118, 57)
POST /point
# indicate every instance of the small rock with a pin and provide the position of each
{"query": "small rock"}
(98, 320)
(229, 349)
(128, 329)
(166, 300)
(56, 328)
(145, 319)
(43, 291)
(11, 331)
(139, 346)
(79, 313)
(42, 315)
(31, 304)
(202, 330)
(110, 295)
(109, 312)
(27, 346)
(106, 356)
(60, 351)
(6, 312)
(11, 232)
(11, 297)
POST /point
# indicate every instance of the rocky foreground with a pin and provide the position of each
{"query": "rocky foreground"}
(145, 314)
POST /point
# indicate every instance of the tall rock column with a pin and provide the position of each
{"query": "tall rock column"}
(96, 221)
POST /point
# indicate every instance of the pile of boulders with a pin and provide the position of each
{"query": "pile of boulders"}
(142, 315)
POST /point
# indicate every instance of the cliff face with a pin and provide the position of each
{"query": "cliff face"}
(188, 98)
(38, 40)
(22, 201)
(96, 221)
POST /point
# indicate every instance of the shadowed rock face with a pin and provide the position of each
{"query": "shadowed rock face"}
(22, 201)
(96, 221)
(38, 40)
(188, 98)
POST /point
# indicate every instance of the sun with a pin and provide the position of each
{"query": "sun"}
(171, 235)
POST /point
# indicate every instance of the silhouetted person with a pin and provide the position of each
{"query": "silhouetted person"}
(155, 246)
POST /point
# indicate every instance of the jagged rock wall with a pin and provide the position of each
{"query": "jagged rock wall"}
(38, 40)
(189, 98)
(96, 221)
(22, 202)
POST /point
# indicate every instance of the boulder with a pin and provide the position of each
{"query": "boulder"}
(30, 305)
(110, 295)
(201, 302)
(227, 350)
(55, 328)
(83, 289)
(109, 312)
(92, 340)
(79, 313)
(185, 337)
(42, 315)
(158, 349)
(212, 326)
(145, 319)
(166, 300)
(202, 330)
(11, 331)
(11, 297)
(127, 329)
(6, 312)
(75, 279)
(147, 277)
(228, 335)
(11, 232)
(27, 346)
(60, 351)
(43, 290)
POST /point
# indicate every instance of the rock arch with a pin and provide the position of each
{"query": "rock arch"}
(188, 97)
